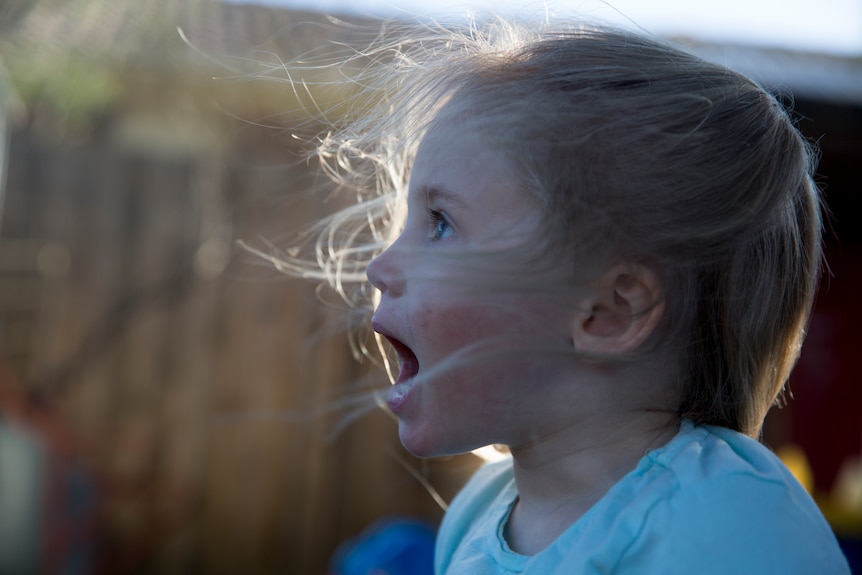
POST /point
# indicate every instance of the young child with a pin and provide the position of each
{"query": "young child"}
(600, 252)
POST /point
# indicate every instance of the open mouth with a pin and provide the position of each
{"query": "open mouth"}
(409, 365)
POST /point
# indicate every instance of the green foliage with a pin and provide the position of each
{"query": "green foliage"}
(68, 89)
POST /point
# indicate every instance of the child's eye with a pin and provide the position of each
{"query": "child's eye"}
(439, 224)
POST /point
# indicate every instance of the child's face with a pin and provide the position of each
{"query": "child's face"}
(442, 296)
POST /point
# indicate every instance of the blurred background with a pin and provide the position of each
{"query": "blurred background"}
(169, 403)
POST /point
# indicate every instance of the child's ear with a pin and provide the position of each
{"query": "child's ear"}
(619, 312)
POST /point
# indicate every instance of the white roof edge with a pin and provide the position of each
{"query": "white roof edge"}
(822, 77)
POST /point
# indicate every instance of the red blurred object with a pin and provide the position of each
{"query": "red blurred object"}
(66, 505)
(826, 409)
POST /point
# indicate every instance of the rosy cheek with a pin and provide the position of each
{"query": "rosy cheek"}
(442, 324)
(457, 328)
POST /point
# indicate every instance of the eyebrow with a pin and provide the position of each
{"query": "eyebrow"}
(435, 192)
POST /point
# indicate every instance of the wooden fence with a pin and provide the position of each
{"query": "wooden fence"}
(189, 380)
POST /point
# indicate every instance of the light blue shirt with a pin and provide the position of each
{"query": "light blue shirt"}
(712, 501)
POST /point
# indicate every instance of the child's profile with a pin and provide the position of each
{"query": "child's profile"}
(601, 252)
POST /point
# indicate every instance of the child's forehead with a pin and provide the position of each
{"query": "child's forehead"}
(453, 153)
(449, 122)
(469, 126)
(475, 106)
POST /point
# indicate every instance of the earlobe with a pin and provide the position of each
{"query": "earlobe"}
(620, 312)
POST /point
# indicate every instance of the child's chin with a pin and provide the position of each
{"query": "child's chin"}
(426, 446)
(417, 446)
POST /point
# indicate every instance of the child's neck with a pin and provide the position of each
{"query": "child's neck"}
(562, 477)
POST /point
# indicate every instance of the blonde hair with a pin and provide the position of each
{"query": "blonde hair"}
(637, 151)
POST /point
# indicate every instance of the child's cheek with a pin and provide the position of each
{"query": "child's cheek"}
(450, 328)
(456, 323)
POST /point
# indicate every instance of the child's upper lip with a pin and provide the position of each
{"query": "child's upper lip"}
(381, 329)
(388, 334)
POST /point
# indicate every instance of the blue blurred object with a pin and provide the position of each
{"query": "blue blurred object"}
(399, 546)
(852, 548)
(22, 468)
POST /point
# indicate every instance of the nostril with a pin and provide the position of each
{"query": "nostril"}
(374, 273)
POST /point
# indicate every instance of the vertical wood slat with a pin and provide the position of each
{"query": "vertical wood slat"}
(61, 327)
(99, 261)
(18, 291)
(155, 271)
(186, 406)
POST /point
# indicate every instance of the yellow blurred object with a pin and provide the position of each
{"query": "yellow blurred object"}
(848, 485)
(843, 506)
(797, 462)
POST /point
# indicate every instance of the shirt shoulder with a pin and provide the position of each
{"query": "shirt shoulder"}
(711, 501)
(716, 501)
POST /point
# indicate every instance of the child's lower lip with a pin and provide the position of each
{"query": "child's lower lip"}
(398, 396)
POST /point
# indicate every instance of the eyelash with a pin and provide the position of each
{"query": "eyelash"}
(435, 219)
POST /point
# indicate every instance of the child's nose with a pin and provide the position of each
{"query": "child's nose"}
(384, 272)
